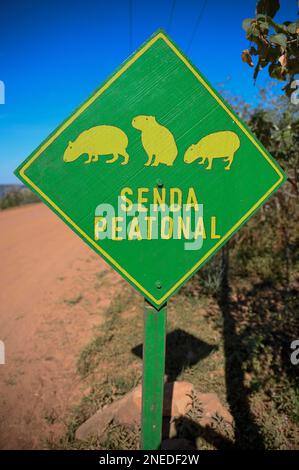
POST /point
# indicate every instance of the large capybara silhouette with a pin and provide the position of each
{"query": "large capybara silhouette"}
(223, 144)
(99, 140)
(158, 142)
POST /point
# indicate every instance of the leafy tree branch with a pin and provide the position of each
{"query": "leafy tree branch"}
(274, 45)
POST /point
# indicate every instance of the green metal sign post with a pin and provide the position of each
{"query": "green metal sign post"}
(155, 172)
(153, 376)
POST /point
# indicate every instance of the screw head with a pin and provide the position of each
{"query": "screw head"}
(160, 183)
(158, 284)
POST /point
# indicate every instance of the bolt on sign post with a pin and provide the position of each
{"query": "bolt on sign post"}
(155, 172)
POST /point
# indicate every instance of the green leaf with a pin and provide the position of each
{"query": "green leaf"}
(261, 17)
(275, 71)
(267, 7)
(263, 26)
(246, 24)
(280, 39)
(253, 32)
(292, 27)
(279, 28)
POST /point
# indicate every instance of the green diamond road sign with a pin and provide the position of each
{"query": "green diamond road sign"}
(154, 171)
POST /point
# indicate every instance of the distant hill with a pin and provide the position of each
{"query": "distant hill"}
(12, 195)
(8, 188)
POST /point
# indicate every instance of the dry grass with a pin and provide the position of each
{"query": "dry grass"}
(228, 332)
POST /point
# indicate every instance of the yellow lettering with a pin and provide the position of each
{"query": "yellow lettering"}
(128, 203)
(175, 206)
(200, 229)
(182, 227)
(158, 199)
(134, 230)
(214, 235)
(150, 221)
(100, 225)
(192, 200)
(142, 200)
(116, 229)
(166, 227)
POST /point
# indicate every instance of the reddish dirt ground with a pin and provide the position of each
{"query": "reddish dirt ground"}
(50, 301)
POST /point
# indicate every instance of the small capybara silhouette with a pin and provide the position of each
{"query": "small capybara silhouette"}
(158, 142)
(223, 144)
(99, 140)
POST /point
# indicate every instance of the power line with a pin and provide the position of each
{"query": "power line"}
(196, 25)
(171, 15)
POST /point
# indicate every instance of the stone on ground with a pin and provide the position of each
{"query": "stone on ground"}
(124, 411)
(178, 399)
(211, 406)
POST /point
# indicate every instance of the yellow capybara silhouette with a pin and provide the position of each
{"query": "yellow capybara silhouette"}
(158, 142)
(99, 140)
(223, 144)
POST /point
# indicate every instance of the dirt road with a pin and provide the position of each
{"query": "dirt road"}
(50, 300)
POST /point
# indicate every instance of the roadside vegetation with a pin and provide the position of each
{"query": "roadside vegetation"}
(273, 45)
(229, 328)
(16, 195)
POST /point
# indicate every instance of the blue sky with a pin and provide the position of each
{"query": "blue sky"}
(53, 54)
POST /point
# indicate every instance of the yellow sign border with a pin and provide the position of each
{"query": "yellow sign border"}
(160, 35)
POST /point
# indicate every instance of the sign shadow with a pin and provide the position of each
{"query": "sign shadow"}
(182, 350)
